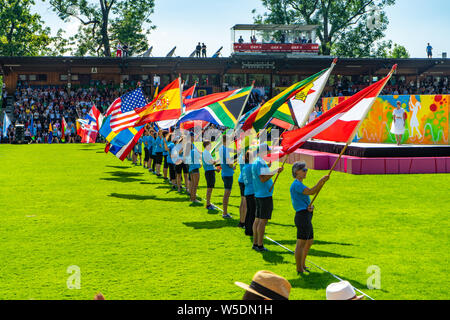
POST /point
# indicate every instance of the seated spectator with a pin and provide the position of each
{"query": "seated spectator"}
(266, 285)
(241, 40)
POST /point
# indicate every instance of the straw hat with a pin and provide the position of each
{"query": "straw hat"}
(268, 285)
(342, 291)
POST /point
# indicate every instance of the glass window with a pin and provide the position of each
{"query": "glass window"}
(234, 80)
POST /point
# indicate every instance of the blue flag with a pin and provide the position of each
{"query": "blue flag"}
(6, 124)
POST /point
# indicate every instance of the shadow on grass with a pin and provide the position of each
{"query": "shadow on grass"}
(118, 167)
(216, 224)
(320, 253)
(319, 280)
(120, 176)
(274, 257)
(282, 225)
(316, 242)
(142, 198)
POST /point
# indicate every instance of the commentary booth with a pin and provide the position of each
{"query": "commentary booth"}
(274, 38)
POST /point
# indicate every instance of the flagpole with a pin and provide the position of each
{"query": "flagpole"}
(237, 120)
(313, 104)
(181, 90)
(243, 107)
(353, 134)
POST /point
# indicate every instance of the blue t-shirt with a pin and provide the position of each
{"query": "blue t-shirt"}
(159, 145)
(224, 160)
(207, 160)
(300, 201)
(170, 146)
(241, 167)
(165, 153)
(194, 159)
(153, 143)
(174, 153)
(262, 190)
(138, 146)
(247, 178)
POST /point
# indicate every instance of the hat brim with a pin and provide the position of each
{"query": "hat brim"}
(247, 287)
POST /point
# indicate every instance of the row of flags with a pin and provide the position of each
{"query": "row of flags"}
(124, 122)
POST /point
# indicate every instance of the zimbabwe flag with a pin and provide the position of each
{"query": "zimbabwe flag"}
(262, 115)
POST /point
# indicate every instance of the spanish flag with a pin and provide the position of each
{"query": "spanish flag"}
(166, 106)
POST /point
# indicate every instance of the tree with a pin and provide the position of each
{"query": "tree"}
(352, 24)
(385, 49)
(103, 22)
(22, 33)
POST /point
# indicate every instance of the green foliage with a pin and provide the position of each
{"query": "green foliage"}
(22, 33)
(103, 23)
(346, 27)
(135, 238)
(386, 49)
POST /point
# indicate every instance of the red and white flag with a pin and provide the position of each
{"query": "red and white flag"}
(338, 124)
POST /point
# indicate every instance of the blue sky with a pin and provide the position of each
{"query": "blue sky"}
(183, 23)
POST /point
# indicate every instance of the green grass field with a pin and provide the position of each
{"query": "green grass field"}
(134, 238)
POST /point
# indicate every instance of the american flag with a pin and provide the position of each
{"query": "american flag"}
(123, 115)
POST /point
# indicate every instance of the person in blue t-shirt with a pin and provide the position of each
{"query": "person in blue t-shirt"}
(168, 146)
(249, 194)
(243, 204)
(304, 212)
(147, 148)
(153, 153)
(137, 151)
(165, 155)
(194, 161)
(150, 147)
(262, 184)
(177, 158)
(159, 152)
(429, 51)
(228, 167)
(210, 173)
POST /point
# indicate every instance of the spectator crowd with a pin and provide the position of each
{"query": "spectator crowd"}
(40, 109)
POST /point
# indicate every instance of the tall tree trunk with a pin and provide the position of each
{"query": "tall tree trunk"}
(104, 28)
(326, 36)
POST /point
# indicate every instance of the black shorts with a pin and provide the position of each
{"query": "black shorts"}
(227, 182)
(166, 164)
(147, 155)
(242, 188)
(250, 215)
(264, 208)
(152, 156)
(195, 171)
(304, 225)
(210, 179)
(158, 157)
(181, 168)
(172, 174)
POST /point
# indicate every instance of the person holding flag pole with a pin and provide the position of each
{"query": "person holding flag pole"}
(339, 124)
(228, 167)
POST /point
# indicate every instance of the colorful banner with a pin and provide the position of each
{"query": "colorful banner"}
(427, 120)
(276, 47)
